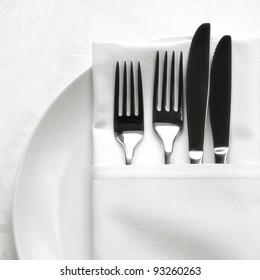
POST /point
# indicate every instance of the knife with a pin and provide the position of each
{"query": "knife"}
(220, 98)
(197, 91)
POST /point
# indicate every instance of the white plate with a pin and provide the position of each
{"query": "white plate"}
(52, 206)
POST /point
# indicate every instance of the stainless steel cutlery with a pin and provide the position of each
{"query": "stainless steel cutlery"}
(128, 124)
(220, 98)
(168, 112)
(168, 116)
(197, 91)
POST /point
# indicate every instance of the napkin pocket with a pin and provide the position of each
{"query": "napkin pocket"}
(176, 212)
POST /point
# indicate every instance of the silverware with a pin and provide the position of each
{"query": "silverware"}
(220, 98)
(197, 91)
(168, 116)
(128, 124)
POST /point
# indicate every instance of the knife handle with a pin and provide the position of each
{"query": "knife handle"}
(196, 157)
(221, 154)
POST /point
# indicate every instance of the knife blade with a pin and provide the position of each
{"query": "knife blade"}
(220, 98)
(197, 91)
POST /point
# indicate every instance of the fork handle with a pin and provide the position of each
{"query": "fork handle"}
(168, 157)
(129, 153)
(129, 157)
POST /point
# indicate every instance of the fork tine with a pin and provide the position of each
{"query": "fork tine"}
(180, 82)
(116, 100)
(164, 84)
(140, 93)
(132, 89)
(172, 99)
(124, 101)
(156, 80)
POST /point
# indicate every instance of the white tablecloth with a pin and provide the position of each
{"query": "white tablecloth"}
(44, 45)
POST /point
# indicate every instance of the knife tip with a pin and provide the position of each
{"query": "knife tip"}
(205, 25)
(226, 38)
(225, 42)
(204, 28)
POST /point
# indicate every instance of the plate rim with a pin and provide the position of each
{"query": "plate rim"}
(24, 153)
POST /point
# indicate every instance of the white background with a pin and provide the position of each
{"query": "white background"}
(44, 45)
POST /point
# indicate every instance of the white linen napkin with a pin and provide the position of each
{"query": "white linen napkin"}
(245, 126)
(180, 211)
(177, 212)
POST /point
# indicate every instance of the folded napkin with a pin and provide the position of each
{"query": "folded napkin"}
(180, 211)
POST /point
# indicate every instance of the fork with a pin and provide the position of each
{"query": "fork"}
(128, 124)
(168, 112)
